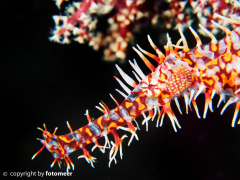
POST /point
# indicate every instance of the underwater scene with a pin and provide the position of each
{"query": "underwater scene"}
(61, 58)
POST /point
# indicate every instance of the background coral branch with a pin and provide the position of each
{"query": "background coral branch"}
(81, 20)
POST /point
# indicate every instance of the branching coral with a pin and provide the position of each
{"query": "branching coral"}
(124, 17)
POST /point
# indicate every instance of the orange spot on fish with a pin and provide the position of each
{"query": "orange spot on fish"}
(128, 104)
(88, 131)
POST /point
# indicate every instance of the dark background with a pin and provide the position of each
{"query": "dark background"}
(45, 82)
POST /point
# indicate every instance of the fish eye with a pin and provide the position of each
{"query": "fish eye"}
(169, 61)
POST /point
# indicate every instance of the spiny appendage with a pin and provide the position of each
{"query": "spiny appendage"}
(51, 140)
(131, 128)
(118, 141)
(50, 143)
(149, 88)
(168, 110)
(209, 94)
(177, 82)
(132, 83)
(94, 128)
(115, 146)
(150, 116)
(230, 101)
(177, 88)
(58, 152)
(90, 159)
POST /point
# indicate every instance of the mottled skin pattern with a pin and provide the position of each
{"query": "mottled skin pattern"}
(212, 68)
